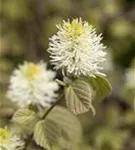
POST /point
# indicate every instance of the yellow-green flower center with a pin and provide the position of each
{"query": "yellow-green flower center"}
(74, 29)
(4, 135)
(31, 70)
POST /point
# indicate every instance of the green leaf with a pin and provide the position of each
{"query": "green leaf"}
(79, 95)
(100, 85)
(46, 133)
(59, 123)
(68, 122)
(25, 117)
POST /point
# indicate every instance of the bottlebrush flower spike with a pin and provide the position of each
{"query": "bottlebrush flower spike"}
(9, 141)
(77, 49)
(33, 84)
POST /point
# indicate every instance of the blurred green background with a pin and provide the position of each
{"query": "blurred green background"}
(25, 28)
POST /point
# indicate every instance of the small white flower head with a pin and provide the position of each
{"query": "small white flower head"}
(33, 84)
(130, 77)
(10, 141)
(77, 49)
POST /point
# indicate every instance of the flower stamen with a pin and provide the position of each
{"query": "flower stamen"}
(74, 29)
(31, 70)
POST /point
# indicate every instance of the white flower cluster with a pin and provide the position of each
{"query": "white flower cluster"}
(9, 141)
(33, 84)
(77, 49)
